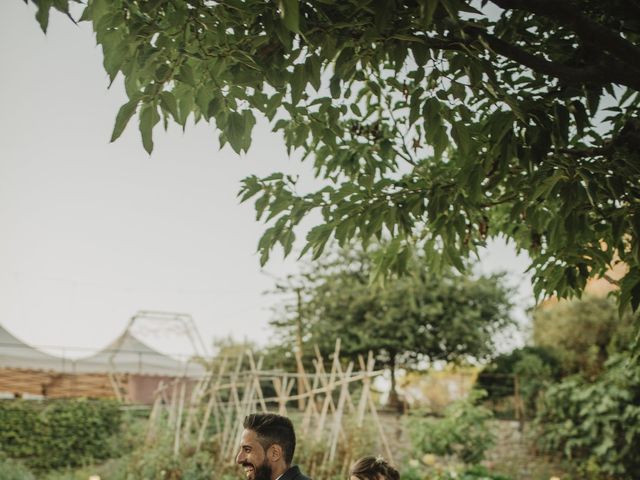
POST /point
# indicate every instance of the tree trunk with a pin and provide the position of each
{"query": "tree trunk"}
(394, 401)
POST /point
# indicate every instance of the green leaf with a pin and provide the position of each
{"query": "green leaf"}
(290, 14)
(186, 75)
(630, 290)
(249, 122)
(169, 103)
(580, 116)
(122, 118)
(547, 186)
(149, 117)
(298, 83)
(428, 8)
(61, 5)
(236, 131)
(461, 136)
(42, 15)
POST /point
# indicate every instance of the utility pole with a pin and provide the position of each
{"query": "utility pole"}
(301, 385)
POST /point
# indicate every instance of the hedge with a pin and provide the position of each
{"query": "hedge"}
(58, 433)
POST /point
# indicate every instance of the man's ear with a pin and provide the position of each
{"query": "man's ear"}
(275, 452)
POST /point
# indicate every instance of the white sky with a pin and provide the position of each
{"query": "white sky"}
(93, 231)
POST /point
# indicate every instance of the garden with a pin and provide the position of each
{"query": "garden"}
(433, 128)
(576, 417)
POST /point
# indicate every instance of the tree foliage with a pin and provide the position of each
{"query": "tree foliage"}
(584, 333)
(535, 367)
(596, 423)
(439, 122)
(416, 317)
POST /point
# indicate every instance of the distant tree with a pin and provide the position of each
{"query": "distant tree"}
(497, 376)
(441, 122)
(529, 369)
(406, 320)
(583, 333)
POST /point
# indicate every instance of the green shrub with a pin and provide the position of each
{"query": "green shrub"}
(462, 431)
(534, 376)
(14, 470)
(475, 472)
(584, 332)
(535, 368)
(58, 433)
(596, 424)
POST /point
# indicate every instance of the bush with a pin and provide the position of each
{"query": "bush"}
(584, 333)
(534, 366)
(596, 423)
(13, 470)
(475, 472)
(463, 430)
(58, 433)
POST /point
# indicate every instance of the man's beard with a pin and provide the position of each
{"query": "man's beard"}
(263, 472)
(260, 472)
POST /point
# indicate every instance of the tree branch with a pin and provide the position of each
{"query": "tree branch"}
(590, 32)
(591, 74)
(611, 280)
(599, 74)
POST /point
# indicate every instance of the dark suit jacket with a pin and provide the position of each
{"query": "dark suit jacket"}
(293, 474)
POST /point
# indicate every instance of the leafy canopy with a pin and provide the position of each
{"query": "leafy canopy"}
(438, 122)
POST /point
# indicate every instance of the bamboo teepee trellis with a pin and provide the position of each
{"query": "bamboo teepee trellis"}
(226, 394)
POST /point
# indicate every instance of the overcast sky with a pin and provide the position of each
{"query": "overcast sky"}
(93, 231)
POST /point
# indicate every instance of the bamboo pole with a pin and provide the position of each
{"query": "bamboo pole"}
(366, 387)
(383, 438)
(173, 404)
(337, 418)
(196, 397)
(155, 414)
(327, 399)
(256, 380)
(229, 417)
(210, 405)
(176, 440)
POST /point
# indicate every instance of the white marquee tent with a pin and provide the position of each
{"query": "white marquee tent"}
(15, 353)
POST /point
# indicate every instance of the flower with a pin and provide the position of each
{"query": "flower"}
(429, 459)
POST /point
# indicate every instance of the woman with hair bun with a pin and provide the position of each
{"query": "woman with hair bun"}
(372, 468)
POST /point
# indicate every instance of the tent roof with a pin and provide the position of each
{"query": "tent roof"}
(15, 353)
(127, 354)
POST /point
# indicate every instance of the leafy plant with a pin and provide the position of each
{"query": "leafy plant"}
(58, 433)
(13, 470)
(462, 431)
(584, 332)
(475, 472)
(534, 366)
(596, 424)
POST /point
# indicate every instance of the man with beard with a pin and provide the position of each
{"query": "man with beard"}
(266, 448)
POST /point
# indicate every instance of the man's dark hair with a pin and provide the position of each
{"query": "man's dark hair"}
(273, 429)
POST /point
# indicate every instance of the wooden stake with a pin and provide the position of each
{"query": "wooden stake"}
(210, 405)
(337, 418)
(176, 441)
(383, 438)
